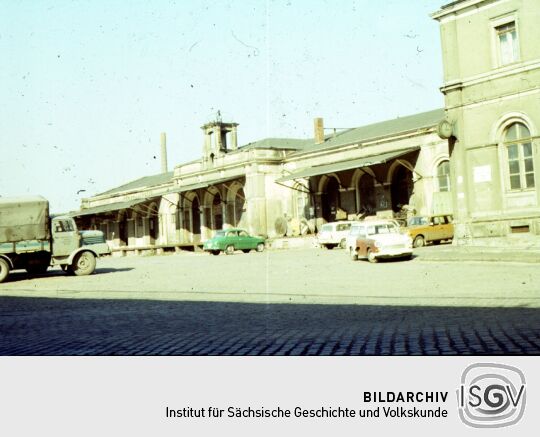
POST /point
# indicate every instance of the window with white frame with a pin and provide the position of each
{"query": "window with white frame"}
(443, 176)
(507, 39)
(518, 144)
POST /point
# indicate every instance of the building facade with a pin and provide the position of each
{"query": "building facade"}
(280, 186)
(491, 56)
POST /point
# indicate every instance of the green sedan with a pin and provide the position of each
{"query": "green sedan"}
(229, 240)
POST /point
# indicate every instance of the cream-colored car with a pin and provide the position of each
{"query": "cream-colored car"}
(334, 234)
(376, 239)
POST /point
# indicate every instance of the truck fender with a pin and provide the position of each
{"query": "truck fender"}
(8, 259)
(79, 250)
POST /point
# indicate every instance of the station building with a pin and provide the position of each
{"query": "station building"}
(280, 186)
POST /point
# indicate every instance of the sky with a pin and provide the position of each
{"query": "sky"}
(86, 87)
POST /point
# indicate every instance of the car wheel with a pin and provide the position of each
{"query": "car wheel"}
(4, 269)
(84, 264)
(229, 250)
(407, 257)
(342, 244)
(246, 250)
(353, 254)
(371, 256)
(437, 242)
(214, 252)
(260, 247)
(419, 241)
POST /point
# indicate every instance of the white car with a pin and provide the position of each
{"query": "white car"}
(375, 239)
(334, 234)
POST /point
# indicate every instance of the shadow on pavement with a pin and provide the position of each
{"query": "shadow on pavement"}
(45, 326)
(22, 275)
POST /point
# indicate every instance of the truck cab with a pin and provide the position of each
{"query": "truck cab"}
(73, 250)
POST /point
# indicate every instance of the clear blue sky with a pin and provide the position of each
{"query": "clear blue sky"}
(86, 87)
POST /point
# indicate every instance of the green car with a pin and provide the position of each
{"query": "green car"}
(229, 240)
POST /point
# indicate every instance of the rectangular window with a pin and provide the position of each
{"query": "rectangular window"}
(520, 166)
(508, 43)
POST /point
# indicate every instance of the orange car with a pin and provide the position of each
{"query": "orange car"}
(435, 228)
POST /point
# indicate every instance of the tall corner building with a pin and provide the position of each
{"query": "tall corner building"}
(491, 57)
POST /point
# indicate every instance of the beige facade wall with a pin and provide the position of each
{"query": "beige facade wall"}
(484, 96)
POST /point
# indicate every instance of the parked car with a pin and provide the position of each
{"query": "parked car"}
(334, 234)
(377, 239)
(427, 229)
(350, 240)
(229, 240)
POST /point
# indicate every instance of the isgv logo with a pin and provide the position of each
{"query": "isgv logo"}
(491, 395)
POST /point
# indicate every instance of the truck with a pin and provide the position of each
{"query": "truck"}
(33, 240)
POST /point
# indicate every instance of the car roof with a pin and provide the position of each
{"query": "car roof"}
(379, 222)
(341, 222)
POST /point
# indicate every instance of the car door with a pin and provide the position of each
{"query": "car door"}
(231, 239)
(244, 240)
(438, 228)
(65, 237)
(448, 228)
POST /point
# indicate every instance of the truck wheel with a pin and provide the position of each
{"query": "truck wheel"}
(84, 264)
(4, 269)
(342, 243)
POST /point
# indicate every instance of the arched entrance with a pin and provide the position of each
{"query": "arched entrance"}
(330, 199)
(402, 187)
(153, 223)
(366, 192)
(122, 228)
(195, 216)
(217, 212)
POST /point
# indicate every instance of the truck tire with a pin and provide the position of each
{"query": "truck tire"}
(4, 269)
(84, 264)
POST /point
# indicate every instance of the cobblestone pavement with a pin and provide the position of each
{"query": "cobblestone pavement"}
(72, 318)
(126, 327)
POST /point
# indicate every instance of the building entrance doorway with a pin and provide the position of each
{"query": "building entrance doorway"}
(330, 200)
(402, 187)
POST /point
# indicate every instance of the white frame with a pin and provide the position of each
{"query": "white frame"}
(496, 45)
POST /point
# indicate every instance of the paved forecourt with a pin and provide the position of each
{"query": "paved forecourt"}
(283, 302)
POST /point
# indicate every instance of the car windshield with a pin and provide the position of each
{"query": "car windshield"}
(355, 230)
(326, 228)
(417, 221)
(384, 228)
(220, 233)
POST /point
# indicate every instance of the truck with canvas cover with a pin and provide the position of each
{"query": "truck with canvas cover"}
(30, 239)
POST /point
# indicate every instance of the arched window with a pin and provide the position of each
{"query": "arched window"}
(517, 140)
(443, 176)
